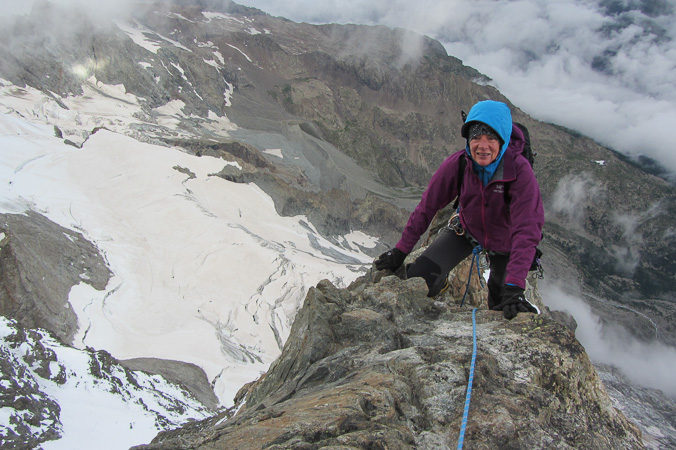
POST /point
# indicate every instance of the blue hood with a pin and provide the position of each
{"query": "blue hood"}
(497, 116)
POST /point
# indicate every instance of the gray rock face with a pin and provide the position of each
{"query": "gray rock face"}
(40, 262)
(379, 365)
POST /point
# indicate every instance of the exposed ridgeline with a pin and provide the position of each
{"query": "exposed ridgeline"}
(362, 116)
(379, 365)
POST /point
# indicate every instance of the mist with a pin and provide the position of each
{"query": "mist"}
(602, 68)
(104, 9)
(650, 364)
(573, 195)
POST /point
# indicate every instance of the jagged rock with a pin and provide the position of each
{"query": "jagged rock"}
(379, 365)
(32, 415)
(657, 423)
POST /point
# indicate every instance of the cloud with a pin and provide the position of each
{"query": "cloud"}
(103, 9)
(614, 345)
(10, 7)
(628, 256)
(627, 252)
(575, 193)
(572, 196)
(602, 68)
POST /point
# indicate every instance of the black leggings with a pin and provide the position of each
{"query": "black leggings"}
(447, 251)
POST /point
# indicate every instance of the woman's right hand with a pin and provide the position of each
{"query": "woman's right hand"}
(391, 260)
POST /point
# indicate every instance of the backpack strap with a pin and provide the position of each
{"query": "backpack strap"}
(527, 151)
(462, 164)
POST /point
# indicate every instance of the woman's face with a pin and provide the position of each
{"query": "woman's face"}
(484, 149)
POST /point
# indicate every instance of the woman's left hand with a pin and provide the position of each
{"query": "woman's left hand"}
(513, 302)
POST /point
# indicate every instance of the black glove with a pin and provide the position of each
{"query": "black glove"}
(514, 302)
(391, 259)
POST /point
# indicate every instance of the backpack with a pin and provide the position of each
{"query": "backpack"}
(527, 153)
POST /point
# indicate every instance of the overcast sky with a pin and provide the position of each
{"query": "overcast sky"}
(606, 73)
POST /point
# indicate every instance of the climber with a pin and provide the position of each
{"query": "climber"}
(500, 210)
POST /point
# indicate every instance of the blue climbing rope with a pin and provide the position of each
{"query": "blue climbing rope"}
(476, 254)
(468, 396)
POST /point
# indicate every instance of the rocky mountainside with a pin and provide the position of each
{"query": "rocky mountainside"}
(379, 365)
(31, 245)
(362, 115)
(345, 125)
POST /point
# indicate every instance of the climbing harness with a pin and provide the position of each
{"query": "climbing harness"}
(468, 396)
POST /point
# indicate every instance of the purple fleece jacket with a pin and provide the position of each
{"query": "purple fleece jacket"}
(515, 228)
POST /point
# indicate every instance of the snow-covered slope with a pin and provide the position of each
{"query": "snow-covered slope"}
(204, 270)
(81, 395)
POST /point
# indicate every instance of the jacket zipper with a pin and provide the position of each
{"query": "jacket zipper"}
(483, 215)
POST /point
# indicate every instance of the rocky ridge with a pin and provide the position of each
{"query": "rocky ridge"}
(40, 262)
(379, 365)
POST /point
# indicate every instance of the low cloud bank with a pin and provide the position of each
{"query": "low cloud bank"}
(103, 9)
(647, 364)
(578, 193)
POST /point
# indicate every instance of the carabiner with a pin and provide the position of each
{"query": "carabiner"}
(455, 225)
(539, 272)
